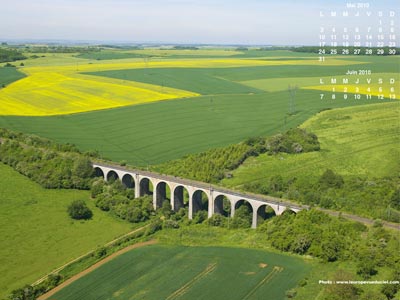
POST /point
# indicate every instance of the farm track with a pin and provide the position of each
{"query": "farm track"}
(181, 291)
(94, 267)
(266, 279)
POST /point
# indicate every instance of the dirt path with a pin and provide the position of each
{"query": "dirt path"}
(93, 267)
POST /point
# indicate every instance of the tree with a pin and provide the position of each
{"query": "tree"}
(331, 180)
(242, 217)
(78, 210)
(166, 209)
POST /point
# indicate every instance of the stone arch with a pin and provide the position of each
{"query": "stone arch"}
(241, 202)
(200, 201)
(128, 181)
(98, 172)
(265, 212)
(161, 193)
(222, 205)
(181, 197)
(145, 187)
(112, 176)
(288, 211)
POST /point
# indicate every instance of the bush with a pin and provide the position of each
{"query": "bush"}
(78, 210)
(101, 252)
(200, 217)
(171, 224)
(217, 220)
(242, 217)
(331, 180)
(154, 226)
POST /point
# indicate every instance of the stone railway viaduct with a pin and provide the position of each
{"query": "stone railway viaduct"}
(195, 191)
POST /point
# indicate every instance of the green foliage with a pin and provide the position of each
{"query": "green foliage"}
(116, 198)
(242, 217)
(49, 164)
(101, 252)
(44, 216)
(29, 292)
(208, 166)
(342, 291)
(79, 211)
(213, 165)
(217, 220)
(170, 224)
(7, 54)
(154, 226)
(166, 209)
(331, 180)
(363, 181)
(200, 217)
(295, 140)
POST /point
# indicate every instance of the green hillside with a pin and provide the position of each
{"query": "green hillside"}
(361, 144)
(37, 235)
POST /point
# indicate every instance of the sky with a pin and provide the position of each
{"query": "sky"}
(259, 22)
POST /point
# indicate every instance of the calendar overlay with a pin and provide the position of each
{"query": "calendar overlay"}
(359, 30)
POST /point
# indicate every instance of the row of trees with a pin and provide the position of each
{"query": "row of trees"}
(8, 55)
(47, 163)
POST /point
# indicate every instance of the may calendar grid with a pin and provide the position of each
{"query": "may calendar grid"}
(353, 32)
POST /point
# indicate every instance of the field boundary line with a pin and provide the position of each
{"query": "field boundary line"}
(94, 267)
(182, 290)
(267, 278)
(40, 280)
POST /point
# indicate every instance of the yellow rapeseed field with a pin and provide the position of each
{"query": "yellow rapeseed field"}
(53, 93)
(61, 89)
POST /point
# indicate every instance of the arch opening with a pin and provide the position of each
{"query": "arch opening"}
(288, 211)
(243, 216)
(128, 181)
(265, 212)
(98, 172)
(112, 176)
(199, 202)
(162, 192)
(145, 187)
(181, 198)
(222, 206)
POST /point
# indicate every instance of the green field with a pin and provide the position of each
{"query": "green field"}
(204, 81)
(37, 235)
(178, 272)
(155, 133)
(354, 142)
(236, 103)
(8, 75)
(105, 55)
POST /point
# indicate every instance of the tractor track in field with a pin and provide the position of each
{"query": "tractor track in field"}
(94, 267)
(266, 279)
(182, 290)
